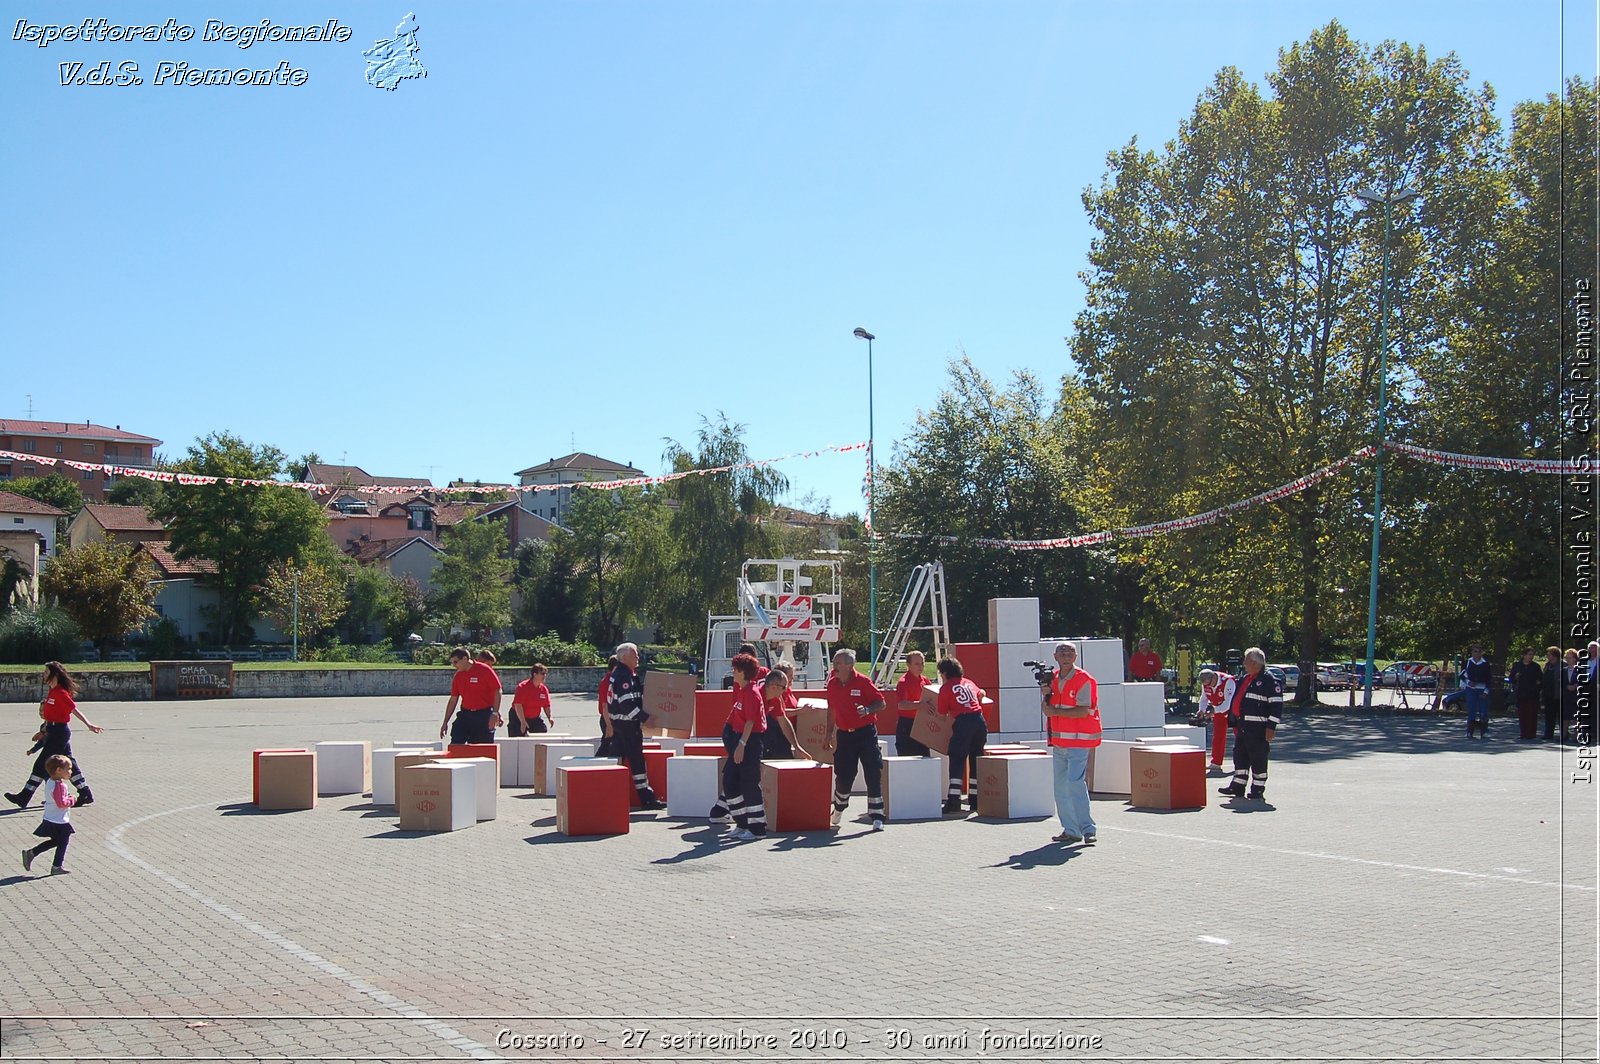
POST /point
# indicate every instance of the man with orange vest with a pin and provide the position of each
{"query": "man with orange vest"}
(1071, 704)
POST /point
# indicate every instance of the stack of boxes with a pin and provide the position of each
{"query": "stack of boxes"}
(1014, 633)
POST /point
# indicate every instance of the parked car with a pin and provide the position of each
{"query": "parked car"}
(1412, 674)
(1332, 676)
(1289, 673)
(1276, 672)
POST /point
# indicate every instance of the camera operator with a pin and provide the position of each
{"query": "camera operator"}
(1070, 700)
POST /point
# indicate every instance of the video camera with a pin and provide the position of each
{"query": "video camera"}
(1043, 673)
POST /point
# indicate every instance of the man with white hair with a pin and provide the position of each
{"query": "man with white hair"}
(1254, 712)
(1070, 701)
(625, 708)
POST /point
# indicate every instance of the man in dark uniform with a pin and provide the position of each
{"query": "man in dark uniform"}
(1254, 712)
(625, 708)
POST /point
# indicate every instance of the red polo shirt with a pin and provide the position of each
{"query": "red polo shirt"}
(960, 697)
(1145, 665)
(909, 689)
(534, 698)
(58, 706)
(747, 709)
(849, 702)
(478, 685)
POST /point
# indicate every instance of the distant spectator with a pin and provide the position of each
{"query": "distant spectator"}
(1551, 695)
(1476, 676)
(1572, 679)
(1145, 664)
(1527, 685)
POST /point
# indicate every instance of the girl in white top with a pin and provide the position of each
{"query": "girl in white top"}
(56, 827)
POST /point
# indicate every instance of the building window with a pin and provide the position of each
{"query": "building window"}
(16, 520)
(88, 474)
(30, 445)
(88, 448)
(61, 448)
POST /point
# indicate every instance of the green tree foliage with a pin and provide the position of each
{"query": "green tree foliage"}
(407, 611)
(473, 581)
(546, 580)
(135, 491)
(15, 583)
(719, 521)
(1229, 339)
(54, 489)
(108, 589)
(600, 523)
(243, 529)
(308, 598)
(372, 597)
(987, 462)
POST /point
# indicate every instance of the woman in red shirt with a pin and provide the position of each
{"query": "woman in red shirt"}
(962, 699)
(741, 772)
(57, 710)
(779, 743)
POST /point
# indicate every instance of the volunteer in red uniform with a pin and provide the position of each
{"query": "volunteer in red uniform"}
(780, 742)
(57, 711)
(603, 748)
(853, 705)
(1144, 666)
(1071, 703)
(476, 688)
(761, 670)
(1213, 696)
(962, 700)
(908, 694)
(742, 737)
(530, 705)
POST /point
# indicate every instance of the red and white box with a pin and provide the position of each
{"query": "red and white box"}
(1168, 777)
(798, 795)
(592, 799)
(473, 750)
(655, 770)
(547, 755)
(344, 767)
(286, 779)
(437, 796)
(980, 663)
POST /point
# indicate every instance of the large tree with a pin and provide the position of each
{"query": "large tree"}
(244, 529)
(472, 585)
(546, 580)
(305, 600)
(107, 588)
(1230, 337)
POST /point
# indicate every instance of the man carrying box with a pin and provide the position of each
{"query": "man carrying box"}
(853, 704)
(1071, 703)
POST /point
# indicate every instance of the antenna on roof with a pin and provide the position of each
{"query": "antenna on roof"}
(572, 441)
(30, 406)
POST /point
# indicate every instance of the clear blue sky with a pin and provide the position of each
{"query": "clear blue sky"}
(593, 222)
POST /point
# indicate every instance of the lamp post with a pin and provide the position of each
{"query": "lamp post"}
(872, 490)
(1373, 198)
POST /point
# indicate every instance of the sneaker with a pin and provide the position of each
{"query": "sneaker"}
(653, 803)
(27, 859)
(17, 800)
(1067, 837)
(725, 820)
(84, 798)
(1231, 791)
(838, 815)
(59, 871)
(742, 835)
(877, 823)
(1090, 840)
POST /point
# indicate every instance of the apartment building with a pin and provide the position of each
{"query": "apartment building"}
(57, 441)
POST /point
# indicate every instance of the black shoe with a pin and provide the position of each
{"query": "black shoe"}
(1231, 791)
(18, 800)
(972, 804)
(652, 803)
(84, 798)
(951, 805)
(1258, 796)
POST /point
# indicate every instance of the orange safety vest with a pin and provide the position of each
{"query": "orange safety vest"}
(1074, 731)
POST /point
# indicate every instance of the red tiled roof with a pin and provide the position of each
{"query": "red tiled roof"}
(377, 549)
(453, 513)
(12, 503)
(170, 566)
(355, 476)
(579, 461)
(85, 431)
(124, 518)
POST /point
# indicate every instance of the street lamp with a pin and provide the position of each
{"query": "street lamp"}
(1373, 198)
(872, 490)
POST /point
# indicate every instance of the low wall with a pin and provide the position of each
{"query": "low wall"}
(311, 682)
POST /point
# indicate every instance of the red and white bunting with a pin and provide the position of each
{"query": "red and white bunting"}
(1579, 466)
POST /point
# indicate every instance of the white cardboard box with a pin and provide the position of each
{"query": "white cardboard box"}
(1100, 658)
(383, 773)
(1027, 786)
(1013, 620)
(692, 785)
(485, 781)
(1013, 673)
(1108, 767)
(913, 787)
(438, 796)
(553, 753)
(418, 744)
(516, 760)
(1020, 712)
(344, 767)
(1189, 733)
(1113, 711)
(1144, 705)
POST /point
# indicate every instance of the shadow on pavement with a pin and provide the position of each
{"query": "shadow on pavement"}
(251, 809)
(707, 840)
(1312, 737)
(1051, 854)
(557, 837)
(811, 840)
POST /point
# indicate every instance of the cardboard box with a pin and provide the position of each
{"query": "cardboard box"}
(1166, 777)
(1189, 733)
(1013, 673)
(344, 767)
(1164, 740)
(930, 728)
(1113, 711)
(592, 799)
(711, 709)
(1019, 711)
(486, 781)
(1013, 620)
(473, 750)
(517, 760)
(811, 728)
(980, 663)
(437, 796)
(1103, 659)
(383, 760)
(286, 779)
(694, 784)
(1016, 786)
(913, 788)
(547, 755)
(669, 699)
(798, 795)
(419, 744)
(655, 770)
(1144, 705)
(1108, 767)
(255, 767)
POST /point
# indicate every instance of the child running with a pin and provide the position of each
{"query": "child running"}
(57, 709)
(56, 827)
(741, 803)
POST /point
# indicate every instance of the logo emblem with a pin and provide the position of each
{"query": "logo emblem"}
(1150, 773)
(426, 806)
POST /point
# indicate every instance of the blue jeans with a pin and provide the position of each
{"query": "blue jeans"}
(1071, 765)
(1477, 705)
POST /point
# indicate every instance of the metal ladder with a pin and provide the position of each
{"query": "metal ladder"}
(925, 585)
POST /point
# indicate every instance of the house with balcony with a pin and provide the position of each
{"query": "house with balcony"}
(551, 504)
(60, 441)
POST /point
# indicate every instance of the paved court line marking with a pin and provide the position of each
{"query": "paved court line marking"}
(1321, 855)
(448, 1034)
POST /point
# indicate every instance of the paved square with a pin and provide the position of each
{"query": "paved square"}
(1410, 896)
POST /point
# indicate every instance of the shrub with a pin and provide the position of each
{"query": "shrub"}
(164, 643)
(545, 648)
(337, 651)
(32, 637)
